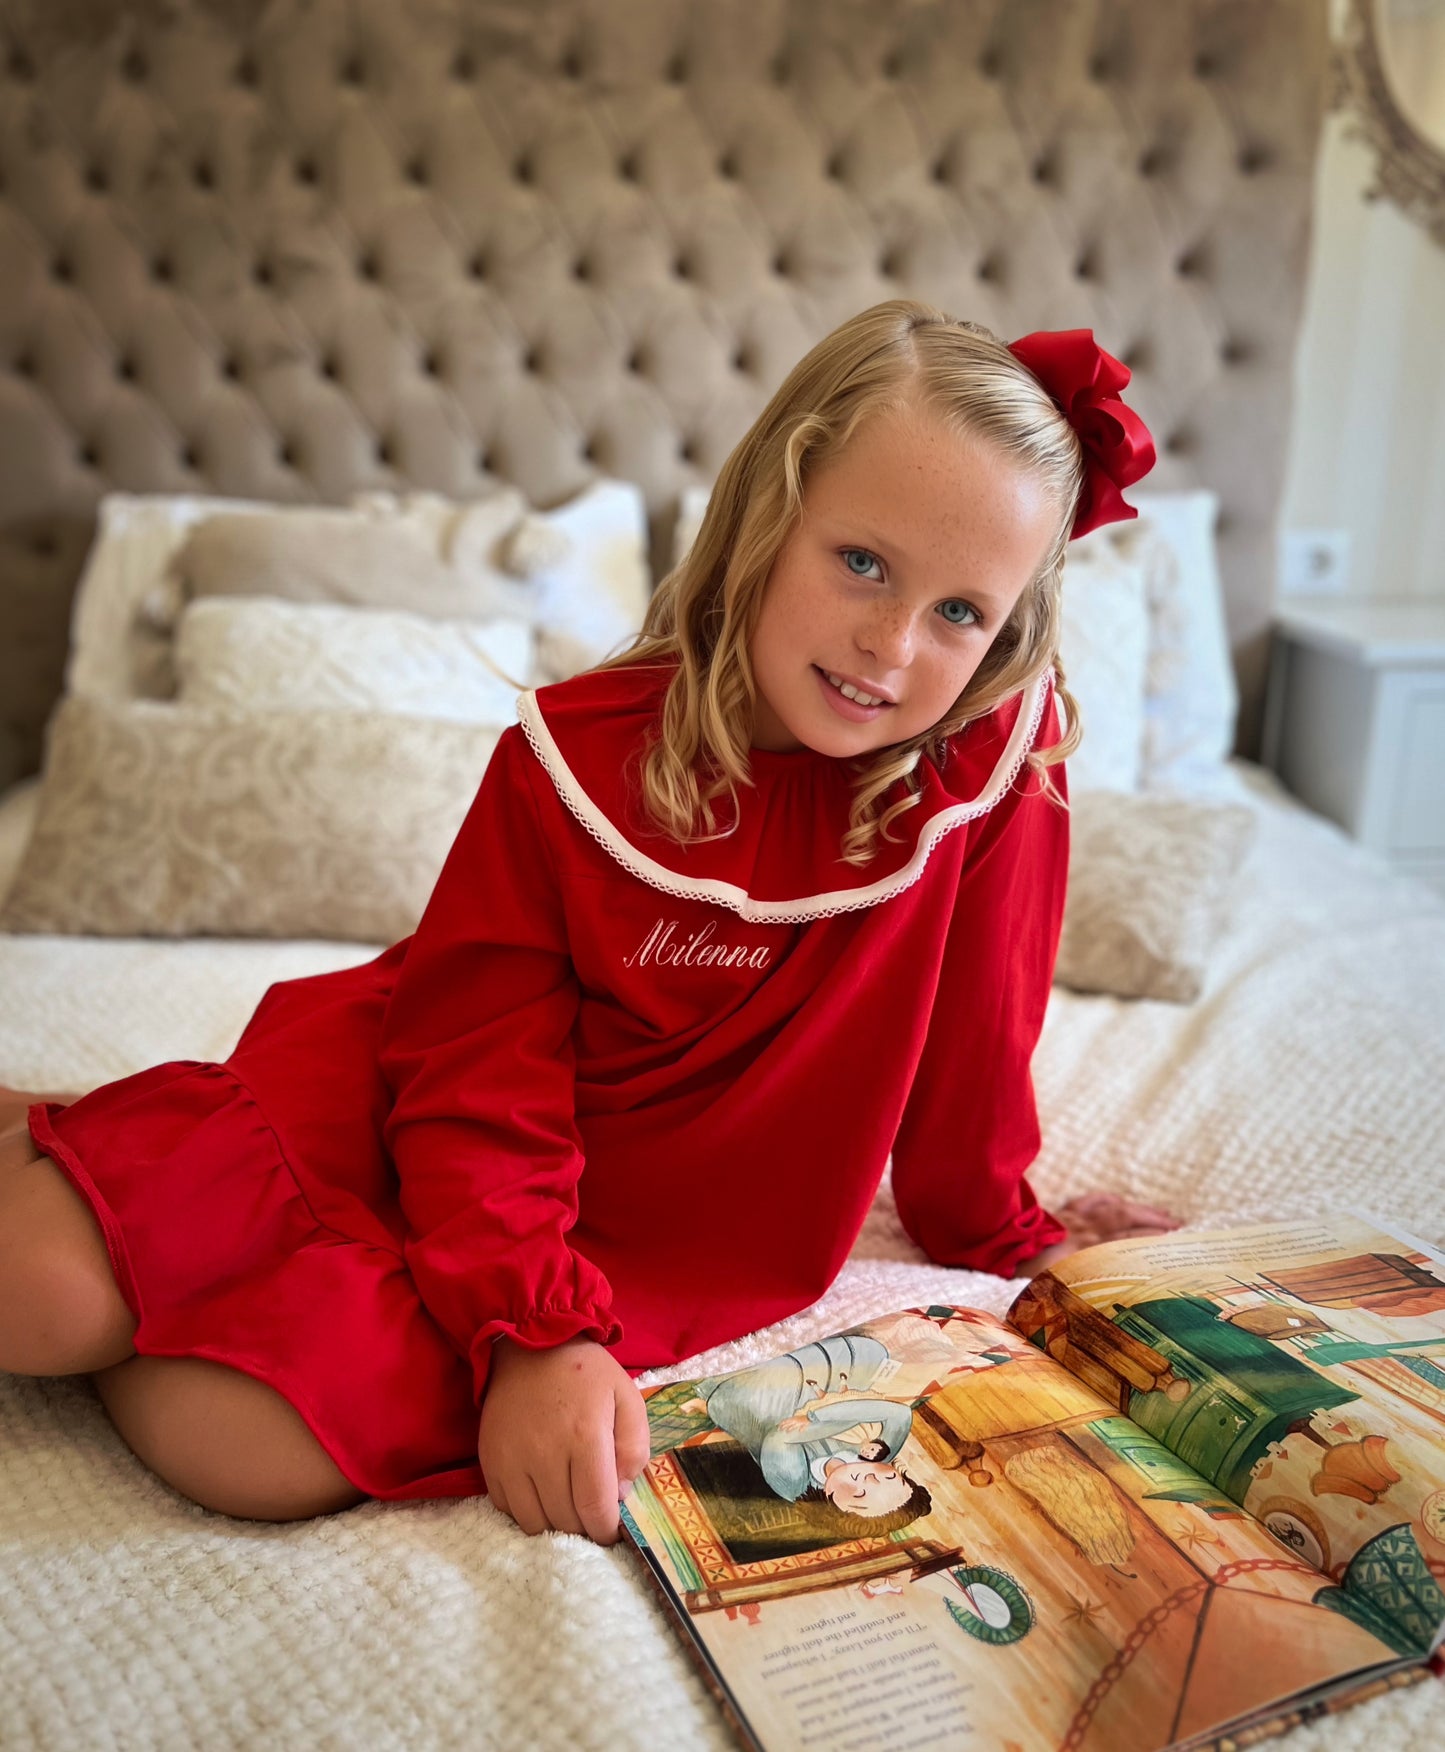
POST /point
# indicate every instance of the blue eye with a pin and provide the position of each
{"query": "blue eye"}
(848, 552)
(955, 620)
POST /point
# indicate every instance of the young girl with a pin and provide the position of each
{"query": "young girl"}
(733, 916)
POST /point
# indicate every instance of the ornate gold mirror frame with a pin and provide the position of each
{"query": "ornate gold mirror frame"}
(1410, 165)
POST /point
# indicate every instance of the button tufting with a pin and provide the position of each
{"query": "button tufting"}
(477, 266)
(203, 175)
(1084, 267)
(1098, 69)
(780, 70)
(330, 367)
(21, 67)
(940, 170)
(431, 362)
(627, 167)
(532, 359)
(834, 166)
(742, 360)
(780, 263)
(990, 268)
(262, 272)
(635, 359)
(572, 65)
(1235, 350)
(416, 172)
(1188, 264)
(368, 266)
(45, 544)
(134, 66)
(591, 450)
(1152, 161)
(353, 71)
(231, 368)
(306, 171)
(385, 452)
(1204, 66)
(190, 456)
(96, 178)
(990, 63)
(125, 368)
(248, 73)
(63, 269)
(25, 365)
(1042, 170)
(89, 456)
(484, 461)
(463, 65)
(687, 450)
(1177, 442)
(727, 167)
(286, 453)
(162, 268)
(888, 265)
(677, 70)
(582, 269)
(522, 169)
(681, 266)
(1253, 159)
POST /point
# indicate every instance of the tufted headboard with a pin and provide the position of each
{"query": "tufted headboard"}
(295, 250)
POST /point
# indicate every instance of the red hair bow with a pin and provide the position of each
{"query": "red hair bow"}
(1085, 382)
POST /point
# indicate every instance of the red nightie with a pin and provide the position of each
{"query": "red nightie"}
(610, 1086)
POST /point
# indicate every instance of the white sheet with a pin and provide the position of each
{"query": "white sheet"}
(1310, 1072)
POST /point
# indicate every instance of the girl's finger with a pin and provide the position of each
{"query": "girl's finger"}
(632, 1435)
(554, 1492)
(593, 1488)
(525, 1507)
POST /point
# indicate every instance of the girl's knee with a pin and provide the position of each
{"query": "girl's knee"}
(227, 1441)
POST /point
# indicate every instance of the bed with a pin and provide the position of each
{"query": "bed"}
(344, 250)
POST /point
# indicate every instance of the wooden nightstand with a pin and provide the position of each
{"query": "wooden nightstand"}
(1355, 721)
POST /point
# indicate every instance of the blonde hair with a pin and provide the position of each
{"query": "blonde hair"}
(896, 355)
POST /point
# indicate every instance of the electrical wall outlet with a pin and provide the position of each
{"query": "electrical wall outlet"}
(1314, 562)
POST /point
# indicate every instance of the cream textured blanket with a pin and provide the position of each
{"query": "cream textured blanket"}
(1310, 1072)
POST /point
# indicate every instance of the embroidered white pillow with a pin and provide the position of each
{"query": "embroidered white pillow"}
(262, 654)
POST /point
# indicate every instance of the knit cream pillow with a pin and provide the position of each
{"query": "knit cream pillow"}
(1149, 882)
(162, 820)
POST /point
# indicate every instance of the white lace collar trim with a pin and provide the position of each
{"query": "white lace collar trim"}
(804, 908)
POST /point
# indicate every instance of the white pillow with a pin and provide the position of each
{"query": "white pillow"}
(1104, 648)
(1191, 695)
(262, 654)
(121, 621)
(585, 562)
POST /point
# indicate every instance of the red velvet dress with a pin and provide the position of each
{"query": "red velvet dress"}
(610, 1086)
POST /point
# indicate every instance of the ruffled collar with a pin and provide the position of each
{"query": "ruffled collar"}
(780, 861)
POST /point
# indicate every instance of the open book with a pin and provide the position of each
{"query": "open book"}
(1190, 1490)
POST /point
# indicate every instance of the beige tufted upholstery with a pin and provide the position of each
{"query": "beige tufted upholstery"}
(293, 251)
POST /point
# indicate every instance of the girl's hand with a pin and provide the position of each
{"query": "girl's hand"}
(1095, 1217)
(793, 1424)
(563, 1434)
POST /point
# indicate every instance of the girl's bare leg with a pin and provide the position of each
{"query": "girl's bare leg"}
(220, 1437)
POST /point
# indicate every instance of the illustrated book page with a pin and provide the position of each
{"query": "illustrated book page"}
(927, 1532)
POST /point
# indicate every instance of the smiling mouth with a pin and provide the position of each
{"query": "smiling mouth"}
(870, 702)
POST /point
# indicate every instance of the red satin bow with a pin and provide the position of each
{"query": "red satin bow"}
(1085, 382)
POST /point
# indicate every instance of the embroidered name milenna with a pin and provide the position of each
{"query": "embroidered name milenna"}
(699, 949)
(611, 1086)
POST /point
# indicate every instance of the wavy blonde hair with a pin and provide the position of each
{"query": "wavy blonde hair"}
(894, 356)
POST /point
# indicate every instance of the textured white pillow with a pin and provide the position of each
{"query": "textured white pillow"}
(262, 654)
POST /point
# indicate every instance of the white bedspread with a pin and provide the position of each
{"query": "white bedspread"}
(1311, 1072)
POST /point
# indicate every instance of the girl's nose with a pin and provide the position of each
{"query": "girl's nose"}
(888, 637)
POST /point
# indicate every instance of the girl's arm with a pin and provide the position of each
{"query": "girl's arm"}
(476, 1047)
(970, 1127)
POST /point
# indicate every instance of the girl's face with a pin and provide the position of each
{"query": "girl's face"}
(913, 548)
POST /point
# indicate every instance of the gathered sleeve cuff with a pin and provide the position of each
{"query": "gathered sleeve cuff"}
(970, 1126)
(476, 1049)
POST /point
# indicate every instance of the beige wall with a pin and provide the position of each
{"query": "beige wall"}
(1368, 447)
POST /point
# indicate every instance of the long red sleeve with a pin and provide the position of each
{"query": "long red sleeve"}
(970, 1126)
(476, 1047)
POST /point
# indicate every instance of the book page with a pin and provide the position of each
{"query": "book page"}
(924, 1533)
(1300, 1367)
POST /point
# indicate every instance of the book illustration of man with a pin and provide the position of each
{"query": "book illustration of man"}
(842, 1452)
